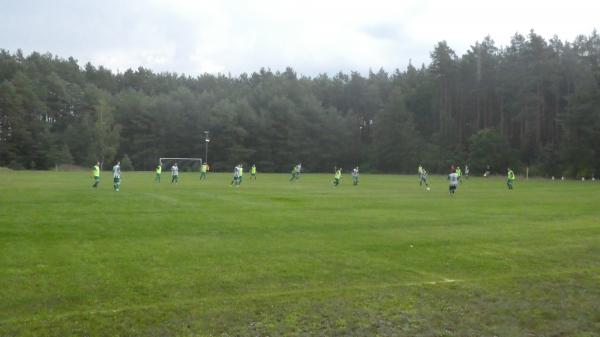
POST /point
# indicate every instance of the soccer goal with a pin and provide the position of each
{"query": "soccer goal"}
(193, 164)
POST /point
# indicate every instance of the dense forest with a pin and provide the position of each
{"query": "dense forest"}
(534, 103)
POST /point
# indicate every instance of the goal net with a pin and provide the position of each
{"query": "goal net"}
(184, 164)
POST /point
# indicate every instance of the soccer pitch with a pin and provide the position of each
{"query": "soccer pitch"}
(280, 258)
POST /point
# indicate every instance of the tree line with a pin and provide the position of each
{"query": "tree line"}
(534, 103)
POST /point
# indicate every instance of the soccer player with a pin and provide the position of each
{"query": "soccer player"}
(117, 176)
(423, 178)
(174, 174)
(337, 177)
(355, 175)
(453, 177)
(296, 172)
(96, 174)
(240, 174)
(158, 172)
(420, 171)
(510, 178)
(236, 174)
(488, 171)
(203, 170)
(253, 171)
(467, 171)
(459, 173)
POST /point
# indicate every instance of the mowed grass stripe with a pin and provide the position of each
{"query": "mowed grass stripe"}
(296, 292)
(68, 250)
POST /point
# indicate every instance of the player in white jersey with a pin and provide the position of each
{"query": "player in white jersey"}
(296, 172)
(174, 173)
(236, 175)
(453, 177)
(117, 176)
(423, 178)
(355, 175)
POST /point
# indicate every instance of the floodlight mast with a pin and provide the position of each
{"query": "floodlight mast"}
(206, 141)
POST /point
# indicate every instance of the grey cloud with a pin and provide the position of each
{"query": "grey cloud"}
(382, 31)
(239, 36)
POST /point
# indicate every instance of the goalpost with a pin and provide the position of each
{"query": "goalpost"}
(174, 159)
(186, 159)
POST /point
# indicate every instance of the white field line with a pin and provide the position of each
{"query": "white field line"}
(279, 293)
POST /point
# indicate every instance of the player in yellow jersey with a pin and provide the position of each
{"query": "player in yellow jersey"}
(96, 174)
(158, 172)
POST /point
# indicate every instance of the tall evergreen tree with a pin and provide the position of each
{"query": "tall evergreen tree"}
(540, 97)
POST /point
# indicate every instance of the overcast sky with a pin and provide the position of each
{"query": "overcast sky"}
(194, 36)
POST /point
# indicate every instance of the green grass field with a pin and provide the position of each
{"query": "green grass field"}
(274, 258)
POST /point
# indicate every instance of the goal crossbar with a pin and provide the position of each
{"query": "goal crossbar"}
(165, 158)
(172, 159)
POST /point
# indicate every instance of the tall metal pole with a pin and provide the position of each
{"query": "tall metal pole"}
(206, 140)
(359, 146)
